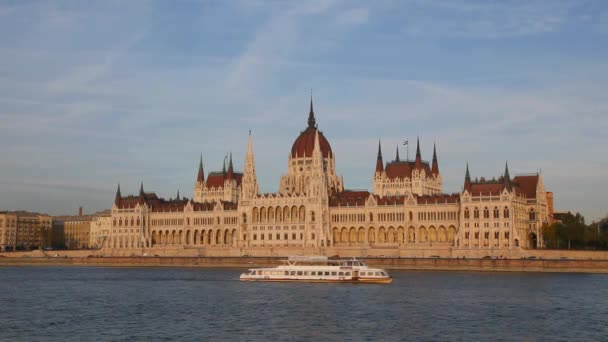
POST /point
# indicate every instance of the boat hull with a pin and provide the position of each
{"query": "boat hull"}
(351, 281)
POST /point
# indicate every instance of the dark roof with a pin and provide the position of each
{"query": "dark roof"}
(348, 198)
(217, 179)
(404, 169)
(527, 184)
(305, 144)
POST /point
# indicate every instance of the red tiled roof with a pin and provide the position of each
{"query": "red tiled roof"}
(527, 185)
(217, 179)
(349, 198)
(305, 144)
(486, 188)
(404, 169)
(438, 199)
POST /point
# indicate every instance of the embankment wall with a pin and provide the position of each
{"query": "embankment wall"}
(492, 265)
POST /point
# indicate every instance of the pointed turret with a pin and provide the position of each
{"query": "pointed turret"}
(142, 195)
(418, 161)
(397, 156)
(200, 178)
(249, 186)
(379, 162)
(118, 197)
(230, 168)
(467, 179)
(177, 197)
(224, 166)
(311, 116)
(506, 177)
(435, 166)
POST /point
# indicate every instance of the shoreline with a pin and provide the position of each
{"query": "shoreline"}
(421, 264)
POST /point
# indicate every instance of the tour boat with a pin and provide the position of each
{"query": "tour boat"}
(320, 269)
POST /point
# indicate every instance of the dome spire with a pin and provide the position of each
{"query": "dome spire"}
(311, 115)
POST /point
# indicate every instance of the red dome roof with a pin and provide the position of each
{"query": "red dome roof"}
(305, 144)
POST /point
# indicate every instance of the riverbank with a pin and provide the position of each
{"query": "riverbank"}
(428, 264)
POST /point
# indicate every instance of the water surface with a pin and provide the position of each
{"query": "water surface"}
(164, 304)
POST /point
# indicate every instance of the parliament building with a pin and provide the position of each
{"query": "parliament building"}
(406, 213)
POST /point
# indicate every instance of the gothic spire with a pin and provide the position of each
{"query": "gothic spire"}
(506, 177)
(118, 197)
(418, 162)
(201, 174)
(311, 115)
(177, 197)
(142, 197)
(435, 166)
(397, 156)
(379, 162)
(467, 179)
(230, 168)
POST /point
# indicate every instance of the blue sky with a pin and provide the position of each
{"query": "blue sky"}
(93, 93)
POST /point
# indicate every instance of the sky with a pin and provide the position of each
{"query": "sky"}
(96, 93)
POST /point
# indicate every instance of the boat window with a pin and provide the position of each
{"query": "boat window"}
(333, 273)
(313, 273)
(377, 274)
(299, 272)
(362, 273)
(305, 273)
(286, 272)
(340, 273)
(293, 272)
(347, 274)
(326, 273)
(384, 274)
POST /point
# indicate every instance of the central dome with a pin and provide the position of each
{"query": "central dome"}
(305, 143)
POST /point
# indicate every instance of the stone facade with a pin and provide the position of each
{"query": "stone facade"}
(406, 211)
(24, 230)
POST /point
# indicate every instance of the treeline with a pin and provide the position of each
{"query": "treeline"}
(571, 232)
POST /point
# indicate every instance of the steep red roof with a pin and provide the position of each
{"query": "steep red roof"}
(527, 185)
(217, 179)
(305, 144)
(348, 198)
(404, 169)
(438, 199)
(486, 188)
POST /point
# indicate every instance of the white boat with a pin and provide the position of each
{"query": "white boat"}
(320, 269)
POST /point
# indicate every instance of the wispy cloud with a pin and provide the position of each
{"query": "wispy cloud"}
(96, 93)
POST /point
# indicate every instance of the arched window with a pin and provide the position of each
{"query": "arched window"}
(506, 213)
(467, 213)
(244, 218)
(476, 213)
(532, 215)
(496, 212)
(312, 216)
(486, 213)
(411, 216)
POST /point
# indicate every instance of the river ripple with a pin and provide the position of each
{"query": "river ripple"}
(166, 304)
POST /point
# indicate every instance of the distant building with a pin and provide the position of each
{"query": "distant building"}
(100, 229)
(24, 230)
(407, 208)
